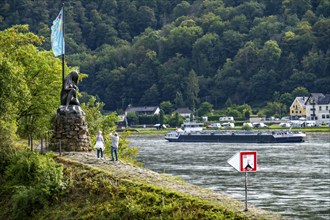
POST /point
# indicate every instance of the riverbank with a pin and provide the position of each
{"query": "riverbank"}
(322, 129)
(171, 190)
(280, 185)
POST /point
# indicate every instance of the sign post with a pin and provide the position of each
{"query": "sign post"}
(244, 162)
(246, 208)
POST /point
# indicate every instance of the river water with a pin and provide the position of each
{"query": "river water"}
(292, 179)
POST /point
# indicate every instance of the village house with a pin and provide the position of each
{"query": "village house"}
(318, 108)
(298, 107)
(184, 112)
(122, 123)
(145, 110)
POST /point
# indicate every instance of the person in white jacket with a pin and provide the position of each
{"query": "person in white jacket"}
(99, 146)
(114, 146)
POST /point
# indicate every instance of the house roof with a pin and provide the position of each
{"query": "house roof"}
(319, 98)
(183, 111)
(302, 100)
(325, 100)
(142, 109)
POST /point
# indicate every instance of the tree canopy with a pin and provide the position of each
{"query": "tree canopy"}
(143, 52)
(30, 82)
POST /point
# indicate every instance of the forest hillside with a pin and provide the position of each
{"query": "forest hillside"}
(188, 52)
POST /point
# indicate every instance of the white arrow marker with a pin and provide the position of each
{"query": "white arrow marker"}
(234, 161)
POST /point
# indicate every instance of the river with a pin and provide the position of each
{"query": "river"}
(292, 179)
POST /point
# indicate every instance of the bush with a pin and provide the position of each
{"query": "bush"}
(31, 180)
(7, 146)
(126, 153)
(148, 119)
(247, 127)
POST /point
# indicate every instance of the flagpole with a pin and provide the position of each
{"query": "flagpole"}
(63, 46)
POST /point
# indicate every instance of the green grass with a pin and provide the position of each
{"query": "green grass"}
(88, 192)
(151, 131)
(95, 194)
(306, 129)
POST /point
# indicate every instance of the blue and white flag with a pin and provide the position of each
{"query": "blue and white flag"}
(57, 38)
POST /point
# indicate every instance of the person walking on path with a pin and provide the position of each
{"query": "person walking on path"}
(114, 145)
(99, 146)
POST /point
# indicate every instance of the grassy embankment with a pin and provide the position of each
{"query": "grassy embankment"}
(96, 194)
(93, 193)
(94, 189)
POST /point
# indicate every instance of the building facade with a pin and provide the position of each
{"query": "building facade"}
(318, 108)
(298, 107)
(145, 110)
(184, 112)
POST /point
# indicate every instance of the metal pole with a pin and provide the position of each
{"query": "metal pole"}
(246, 208)
(63, 47)
(31, 142)
(60, 148)
(47, 143)
(41, 145)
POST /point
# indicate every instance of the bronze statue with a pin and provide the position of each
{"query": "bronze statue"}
(69, 90)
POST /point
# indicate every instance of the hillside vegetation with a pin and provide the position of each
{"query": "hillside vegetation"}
(146, 52)
(189, 52)
(89, 188)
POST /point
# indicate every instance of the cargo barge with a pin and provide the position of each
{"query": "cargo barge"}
(194, 133)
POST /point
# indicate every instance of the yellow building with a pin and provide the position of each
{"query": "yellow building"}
(298, 107)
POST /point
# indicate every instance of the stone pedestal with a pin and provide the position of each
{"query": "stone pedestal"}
(71, 130)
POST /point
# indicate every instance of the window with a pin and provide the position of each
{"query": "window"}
(299, 112)
(327, 108)
(292, 111)
(320, 108)
(323, 116)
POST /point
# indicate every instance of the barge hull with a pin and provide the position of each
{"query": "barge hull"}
(236, 139)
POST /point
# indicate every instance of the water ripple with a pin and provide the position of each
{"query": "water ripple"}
(292, 179)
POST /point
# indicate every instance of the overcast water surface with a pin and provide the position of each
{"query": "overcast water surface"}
(292, 179)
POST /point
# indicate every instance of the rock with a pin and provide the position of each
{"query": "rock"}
(71, 130)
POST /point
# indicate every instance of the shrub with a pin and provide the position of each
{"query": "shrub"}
(126, 152)
(247, 127)
(32, 180)
(7, 146)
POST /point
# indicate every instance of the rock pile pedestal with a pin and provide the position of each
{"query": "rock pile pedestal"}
(71, 130)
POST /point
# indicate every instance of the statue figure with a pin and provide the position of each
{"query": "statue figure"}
(70, 125)
(69, 90)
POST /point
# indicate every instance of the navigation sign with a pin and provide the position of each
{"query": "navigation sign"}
(234, 161)
(244, 161)
(248, 161)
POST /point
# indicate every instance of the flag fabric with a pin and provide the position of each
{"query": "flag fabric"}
(56, 37)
